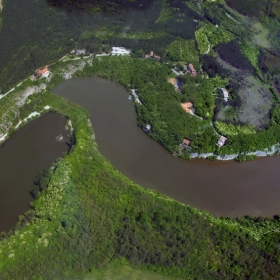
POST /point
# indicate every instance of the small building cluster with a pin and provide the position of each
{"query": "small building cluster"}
(188, 68)
(221, 142)
(152, 55)
(120, 51)
(188, 107)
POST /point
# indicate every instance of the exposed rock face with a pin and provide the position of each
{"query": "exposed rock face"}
(68, 73)
(273, 150)
(29, 91)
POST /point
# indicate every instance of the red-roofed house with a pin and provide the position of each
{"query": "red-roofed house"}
(43, 72)
(192, 70)
(185, 142)
(188, 107)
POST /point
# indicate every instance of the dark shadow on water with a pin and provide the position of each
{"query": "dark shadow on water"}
(69, 146)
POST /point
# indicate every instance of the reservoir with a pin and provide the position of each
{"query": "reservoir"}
(222, 188)
(28, 151)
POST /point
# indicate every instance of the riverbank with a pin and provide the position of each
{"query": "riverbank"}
(271, 151)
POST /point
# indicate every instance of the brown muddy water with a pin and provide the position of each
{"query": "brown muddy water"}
(222, 188)
(27, 152)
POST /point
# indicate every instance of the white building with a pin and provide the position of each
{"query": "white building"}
(46, 74)
(147, 128)
(221, 141)
(81, 52)
(225, 94)
(120, 51)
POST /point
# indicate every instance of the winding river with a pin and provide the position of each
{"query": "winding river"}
(28, 151)
(223, 188)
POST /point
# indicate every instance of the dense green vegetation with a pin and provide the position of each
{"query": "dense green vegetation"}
(252, 53)
(182, 50)
(86, 215)
(201, 92)
(208, 36)
(44, 33)
(229, 129)
(90, 215)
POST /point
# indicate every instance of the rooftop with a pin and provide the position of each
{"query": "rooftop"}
(193, 71)
(221, 141)
(187, 107)
(186, 141)
(42, 71)
(225, 94)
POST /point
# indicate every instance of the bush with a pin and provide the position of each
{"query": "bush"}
(182, 50)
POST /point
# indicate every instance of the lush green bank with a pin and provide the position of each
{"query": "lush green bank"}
(90, 215)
